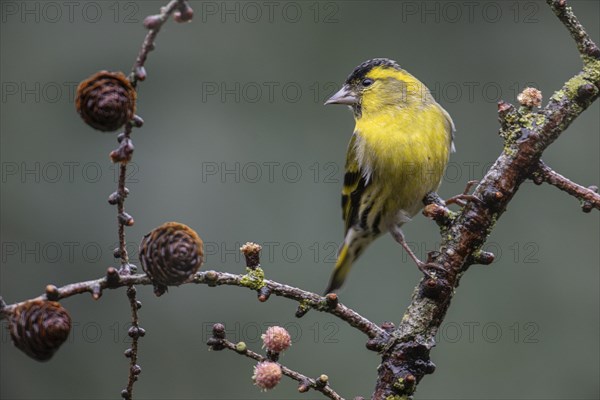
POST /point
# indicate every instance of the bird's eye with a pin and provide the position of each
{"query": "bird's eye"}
(367, 82)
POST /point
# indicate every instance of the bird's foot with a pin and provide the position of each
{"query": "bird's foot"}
(462, 199)
(430, 270)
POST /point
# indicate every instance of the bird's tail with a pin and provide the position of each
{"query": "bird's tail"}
(352, 247)
(342, 267)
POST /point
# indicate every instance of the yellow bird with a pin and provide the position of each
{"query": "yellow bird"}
(397, 154)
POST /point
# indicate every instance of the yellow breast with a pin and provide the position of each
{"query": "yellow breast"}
(405, 149)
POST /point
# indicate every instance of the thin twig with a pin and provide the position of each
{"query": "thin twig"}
(214, 278)
(122, 193)
(304, 297)
(585, 44)
(298, 377)
(137, 72)
(123, 219)
(589, 197)
(135, 332)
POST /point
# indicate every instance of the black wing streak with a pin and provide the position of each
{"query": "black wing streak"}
(355, 197)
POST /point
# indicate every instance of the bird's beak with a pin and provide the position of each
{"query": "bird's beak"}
(343, 96)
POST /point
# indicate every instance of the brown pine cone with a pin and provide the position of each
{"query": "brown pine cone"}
(106, 100)
(170, 254)
(39, 328)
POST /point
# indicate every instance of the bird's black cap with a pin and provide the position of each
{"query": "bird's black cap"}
(363, 69)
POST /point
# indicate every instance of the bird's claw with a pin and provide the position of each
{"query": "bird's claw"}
(462, 199)
(429, 269)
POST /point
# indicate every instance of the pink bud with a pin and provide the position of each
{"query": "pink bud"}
(276, 339)
(266, 375)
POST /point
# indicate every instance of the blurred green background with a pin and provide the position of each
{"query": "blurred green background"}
(237, 144)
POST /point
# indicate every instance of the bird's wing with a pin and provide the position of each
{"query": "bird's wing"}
(355, 184)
